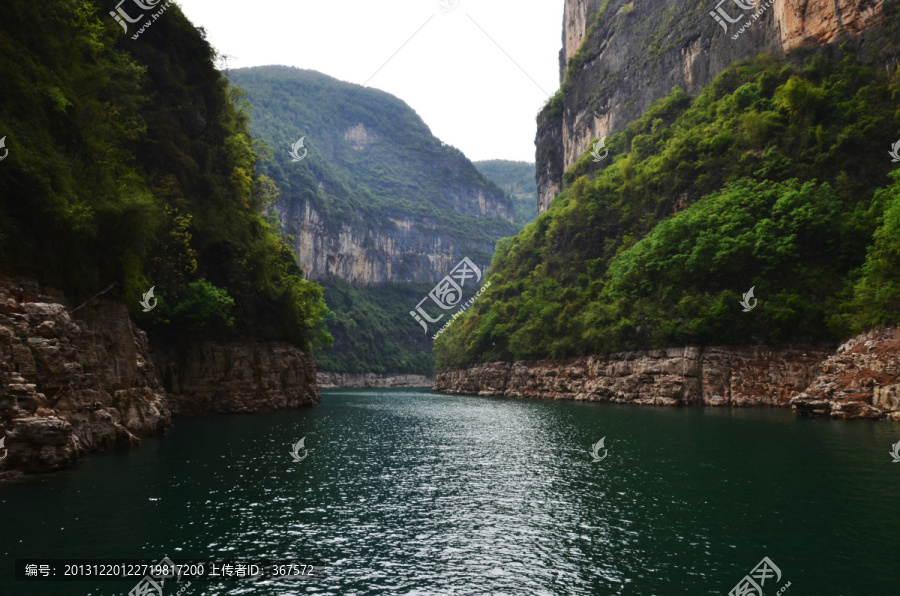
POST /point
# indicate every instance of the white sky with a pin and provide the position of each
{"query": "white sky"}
(461, 84)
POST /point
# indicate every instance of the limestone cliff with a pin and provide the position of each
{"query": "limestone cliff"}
(405, 249)
(71, 382)
(714, 376)
(375, 197)
(619, 56)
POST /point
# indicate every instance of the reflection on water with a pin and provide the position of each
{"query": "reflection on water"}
(410, 492)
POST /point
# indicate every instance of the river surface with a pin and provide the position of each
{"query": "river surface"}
(408, 492)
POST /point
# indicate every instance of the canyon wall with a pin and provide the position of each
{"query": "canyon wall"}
(619, 56)
(228, 377)
(331, 380)
(71, 382)
(77, 380)
(712, 376)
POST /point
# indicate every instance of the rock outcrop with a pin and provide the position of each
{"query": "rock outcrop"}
(224, 377)
(332, 380)
(71, 382)
(860, 380)
(619, 56)
(407, 249)
(713, 376)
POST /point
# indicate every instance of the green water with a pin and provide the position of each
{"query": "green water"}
(410, 492)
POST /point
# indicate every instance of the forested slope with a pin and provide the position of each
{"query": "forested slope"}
(130, 165)
(777, 176)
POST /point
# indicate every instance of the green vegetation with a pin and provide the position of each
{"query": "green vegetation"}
(373, 330)
(775, 176)
(517, 180)
(131, 162)
(395, 167)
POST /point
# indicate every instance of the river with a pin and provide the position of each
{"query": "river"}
(414, 493)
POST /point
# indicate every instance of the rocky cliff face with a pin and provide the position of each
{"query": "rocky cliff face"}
(71, 382)
(619, 56)
(405, 250)
(860, 380)
(331, 380)
(215, 377)
(714, 376)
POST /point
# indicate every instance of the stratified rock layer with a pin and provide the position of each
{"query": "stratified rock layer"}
(71, 382)
(331, 380)
(861, 380)
(213, 377)
(716, 376)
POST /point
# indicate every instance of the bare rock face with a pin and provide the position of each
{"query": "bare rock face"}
(71, 382)
(625, 55)
(860, 380)
(331, 380)
(212, 377)
(407, 249)
(716, 376)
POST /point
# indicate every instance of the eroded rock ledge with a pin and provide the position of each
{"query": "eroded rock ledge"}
(332, 380)
(713, 376)
(860, 380)
(226, 377)
(71, 383)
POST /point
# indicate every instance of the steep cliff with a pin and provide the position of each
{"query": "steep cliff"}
(619, 56)
(71, 382)
(374, 197)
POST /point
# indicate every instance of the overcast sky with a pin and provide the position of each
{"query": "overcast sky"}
(466, 89)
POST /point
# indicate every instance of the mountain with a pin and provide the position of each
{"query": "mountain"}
(619, 56)
(378, 209)
(377, 198)
(771, 182)
(516, 178)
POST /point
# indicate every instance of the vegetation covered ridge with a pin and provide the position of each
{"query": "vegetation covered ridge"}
(130, 163)
(776, 177)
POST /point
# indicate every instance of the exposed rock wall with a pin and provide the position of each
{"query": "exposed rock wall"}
(405, 250)
(71, 382)
(331, 380)
(714, 376)
(860, 380)
(222, 377)
(637, 51)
